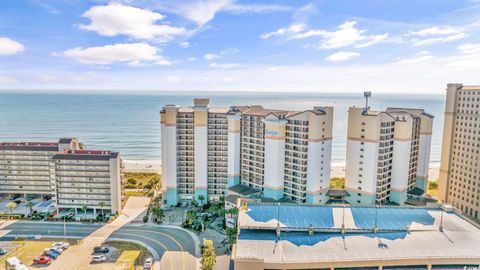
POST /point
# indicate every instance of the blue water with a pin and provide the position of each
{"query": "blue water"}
(130, 123)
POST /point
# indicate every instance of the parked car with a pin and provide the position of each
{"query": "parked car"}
(47, 198)
(101, 249)
(167, 208)
(31, 197)
(14, 197)
(17, 201)
(62, 245)
(42, 260)
(148, 263)
(54, 249)
(99, 258)
(52, 254)
(184, 204)
(3, 251)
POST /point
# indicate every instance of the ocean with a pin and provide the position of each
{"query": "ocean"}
(130, 123)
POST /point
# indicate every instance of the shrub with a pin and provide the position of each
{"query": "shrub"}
(145, 219)
(132, 181)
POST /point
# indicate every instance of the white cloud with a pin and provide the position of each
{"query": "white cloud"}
(469, 48)
(184, 44)
(341, 57)
(292, 29)
(224, 65)
(5, 80)
(373, 40)
(434, 35)
(198, 11)
(10, 46)
(421, 56)
(256, 8)
(118, 19)
(221, 54)
(203, 11)
(211, 56)
(446, 30)
(135, 54)
(346, 35)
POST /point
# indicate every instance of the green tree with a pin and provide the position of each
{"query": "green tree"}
(232, 211)
(201, 198)
(30, 206)
(11, 206)
(191, 216)
(208, 255)
(194, 203)
(102, 205)
(84, 209)
(231, 235)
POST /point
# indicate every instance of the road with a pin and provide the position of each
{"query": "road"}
(157, 238)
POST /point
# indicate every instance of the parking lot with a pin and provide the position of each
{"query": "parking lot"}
(39, 204)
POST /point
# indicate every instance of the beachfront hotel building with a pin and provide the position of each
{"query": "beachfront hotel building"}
(283, 155)
(64, 170)
(459, 180)
(387, 154)
(25, 167)
(89, 178)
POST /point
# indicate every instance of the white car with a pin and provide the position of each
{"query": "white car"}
(99, 258)
(62, 245)
(148, 264)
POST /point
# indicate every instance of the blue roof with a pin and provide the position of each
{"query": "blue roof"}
(293, 216)
(391, 218)
(321, 217)
(303, 238)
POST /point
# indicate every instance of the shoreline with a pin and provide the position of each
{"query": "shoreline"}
(337, 169)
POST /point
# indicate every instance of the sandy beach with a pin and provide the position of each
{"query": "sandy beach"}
(338, 169)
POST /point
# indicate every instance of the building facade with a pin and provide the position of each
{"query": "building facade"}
(89, 178)
(72, 176)
(459, 180)
(194, 152)
(25, 167)
(283, 154)
(387, 154)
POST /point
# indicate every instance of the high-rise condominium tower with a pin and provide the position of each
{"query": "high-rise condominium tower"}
(459, 182)
(387, 154)
(282, 154)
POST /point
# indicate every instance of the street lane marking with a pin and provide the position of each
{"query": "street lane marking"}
(155, 232)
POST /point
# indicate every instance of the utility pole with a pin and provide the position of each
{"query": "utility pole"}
(64, 230)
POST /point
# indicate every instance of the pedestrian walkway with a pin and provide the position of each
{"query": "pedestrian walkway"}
(4, 224)
(78, 257)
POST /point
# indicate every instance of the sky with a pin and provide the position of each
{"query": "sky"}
(335, 46)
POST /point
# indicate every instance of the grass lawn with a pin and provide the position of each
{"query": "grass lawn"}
(135, 193)
(131, 255)
(140, 180)
(26, 251)
(337, 183)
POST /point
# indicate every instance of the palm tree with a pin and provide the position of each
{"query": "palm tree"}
(101, 204)
(201, 198)
(11, 206)
(84, 209)
(30, 206)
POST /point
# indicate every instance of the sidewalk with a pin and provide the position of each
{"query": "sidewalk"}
(78, 257)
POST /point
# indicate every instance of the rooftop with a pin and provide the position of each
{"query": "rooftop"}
(258, 239)
(29, 146)
(86, 155)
